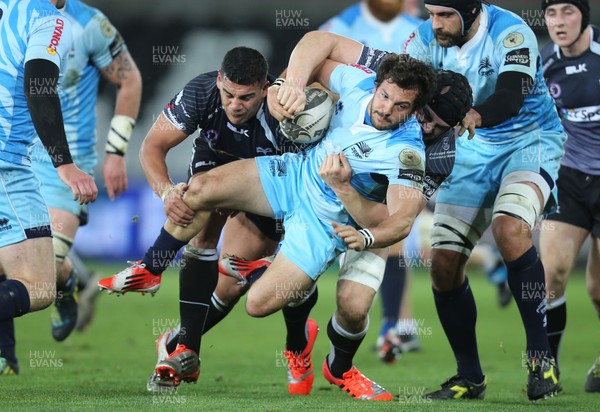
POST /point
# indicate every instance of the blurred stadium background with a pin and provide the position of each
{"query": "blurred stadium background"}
(173, 41)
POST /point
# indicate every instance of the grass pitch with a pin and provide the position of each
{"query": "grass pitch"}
(243, 367)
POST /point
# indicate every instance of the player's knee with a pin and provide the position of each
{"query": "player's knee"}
(200, 187)
(353, 308)
(258, 305)
(446, 269)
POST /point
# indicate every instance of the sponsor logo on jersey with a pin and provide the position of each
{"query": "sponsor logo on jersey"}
(55, 40)
(414, 175)
(339, 106)
(513, 40)
(580, 68)
(263, 150)
(234, 129)
(485, 67)
(582, 114)
(520, 57)
(363, 68)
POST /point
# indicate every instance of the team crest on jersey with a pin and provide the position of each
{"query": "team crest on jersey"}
(485, 67)
(361, 149)
(513, 40)
(108, 29)
(409, 157)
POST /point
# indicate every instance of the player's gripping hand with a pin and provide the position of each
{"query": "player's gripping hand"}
(81, 184)
(115, 175)
(175, 208)
(470, 122)
(350, 236)
(336, 172)
(276, 109)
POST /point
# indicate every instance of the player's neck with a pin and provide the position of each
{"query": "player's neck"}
(473, 30)
(580, 46)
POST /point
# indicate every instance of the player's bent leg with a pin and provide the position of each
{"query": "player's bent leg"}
(282, 283)
(360, 277)
(31, 284)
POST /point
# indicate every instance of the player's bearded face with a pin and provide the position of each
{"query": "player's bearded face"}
(446, 25)
(391, 105)
(240, 102)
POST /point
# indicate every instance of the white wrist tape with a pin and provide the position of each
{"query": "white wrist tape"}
(166, 192)
(279, 81)
(368, 237)
(119, 134)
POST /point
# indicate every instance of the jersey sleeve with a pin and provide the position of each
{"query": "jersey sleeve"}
(371, 58)
(518, 51)
(103, 41)
(49, 39)
(344, 78)
(186, 110)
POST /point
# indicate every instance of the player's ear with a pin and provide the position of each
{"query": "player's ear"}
(219, 79)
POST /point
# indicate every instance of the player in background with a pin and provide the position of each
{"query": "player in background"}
(571, 64)
(29, 103)
(98, 50)
(511, 156)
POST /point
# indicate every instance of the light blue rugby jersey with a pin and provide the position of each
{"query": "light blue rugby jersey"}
(29, 29)
(374, 155)
(95, 43)
(359, 24)
(502, 43)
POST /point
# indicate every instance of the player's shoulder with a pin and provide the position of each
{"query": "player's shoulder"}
(82, 13)
(356, 78)
(348, 16)
(501, 21)
(595, 44)
(408, 133)
(548, 51)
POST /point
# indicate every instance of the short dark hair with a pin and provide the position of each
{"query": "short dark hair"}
(245, 66)
(408, 73)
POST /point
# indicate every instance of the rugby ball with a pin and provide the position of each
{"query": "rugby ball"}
(311, 124)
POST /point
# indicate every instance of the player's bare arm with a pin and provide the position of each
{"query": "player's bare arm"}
(404, 204)
(161, 138)
(124, 74)
(336, 172)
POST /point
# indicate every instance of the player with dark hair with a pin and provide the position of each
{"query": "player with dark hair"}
(293, 191)
(572, 71)
(229, 110)
(29, 102)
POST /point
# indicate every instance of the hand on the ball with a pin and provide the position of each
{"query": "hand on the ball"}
(336, 172)
(276, 109)
(292, 97)
(175, 208)
(350, 236)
